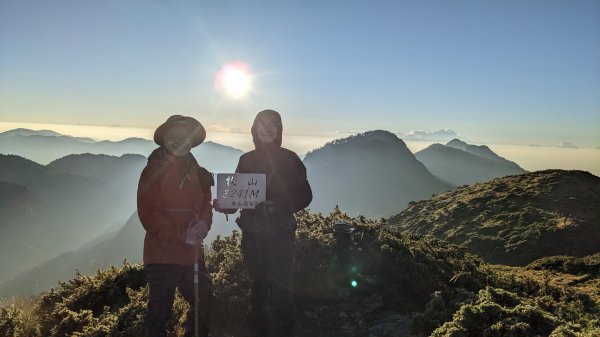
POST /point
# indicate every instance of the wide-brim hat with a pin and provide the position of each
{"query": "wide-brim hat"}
(198, 131)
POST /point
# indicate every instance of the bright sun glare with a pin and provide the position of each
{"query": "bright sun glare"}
(234, 80)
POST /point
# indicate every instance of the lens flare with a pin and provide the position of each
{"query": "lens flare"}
(234, 80)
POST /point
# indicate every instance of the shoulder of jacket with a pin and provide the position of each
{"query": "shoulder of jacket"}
(206, 178)
(248, 155)
(291, 154)
(288, 151)
(154, 170)
(247, 158)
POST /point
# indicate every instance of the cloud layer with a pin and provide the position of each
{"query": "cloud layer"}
(442, 135)
(568, 145)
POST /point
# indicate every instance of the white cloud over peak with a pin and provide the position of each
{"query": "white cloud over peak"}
(442, 135)
(225, 129)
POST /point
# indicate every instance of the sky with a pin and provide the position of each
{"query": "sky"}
(504, 72)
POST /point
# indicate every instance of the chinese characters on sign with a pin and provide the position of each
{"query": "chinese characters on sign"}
(241, 190)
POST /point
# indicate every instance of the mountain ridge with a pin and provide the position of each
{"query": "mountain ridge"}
(45, 147)
(70, 206)
(44, 133)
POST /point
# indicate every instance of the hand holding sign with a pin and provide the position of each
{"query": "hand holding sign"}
(240, 190)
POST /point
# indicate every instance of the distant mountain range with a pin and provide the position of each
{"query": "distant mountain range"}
(53, 209)
(61, 209)
(49, 210)
(459, 163)
(515, 219)
(406, 283)
(372, 174)
(45, 133)
(46, 146)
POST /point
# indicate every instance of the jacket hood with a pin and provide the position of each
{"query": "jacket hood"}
(263, 117)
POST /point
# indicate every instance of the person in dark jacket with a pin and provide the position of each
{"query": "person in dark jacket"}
(174, 207)
(268, 231)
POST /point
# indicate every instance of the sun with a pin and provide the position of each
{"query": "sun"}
(234, 80)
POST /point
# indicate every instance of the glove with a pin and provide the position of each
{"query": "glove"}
(196, 232)
(203, 230)
(225, 211)
(217, 207)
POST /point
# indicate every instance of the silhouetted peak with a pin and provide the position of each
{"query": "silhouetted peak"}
(44, 134)
(375, 135)
(87, 164)
(479, 150)
(135, 139)
(457, 144)
(220, 146)
(83, 156)
(435, 146)
(369, 138)
(80, 139)
(483, 151)
(132, 156)
(29, 132)
(130, 140)
(459, 163)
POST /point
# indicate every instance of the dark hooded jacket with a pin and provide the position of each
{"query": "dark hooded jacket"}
(171, 192)
(287, 184)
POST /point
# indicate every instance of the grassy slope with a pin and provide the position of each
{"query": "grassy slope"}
(515, 219)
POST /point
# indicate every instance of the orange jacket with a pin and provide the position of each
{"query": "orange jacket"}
(172, 191)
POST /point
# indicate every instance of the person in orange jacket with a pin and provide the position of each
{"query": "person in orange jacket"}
(174, 206)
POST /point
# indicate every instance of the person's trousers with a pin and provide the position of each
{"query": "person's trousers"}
(270, 263)
(163, 280)
(271, 310)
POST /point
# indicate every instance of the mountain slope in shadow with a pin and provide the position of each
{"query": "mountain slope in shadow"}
(459, 163)
(78, 198)
(373, 174)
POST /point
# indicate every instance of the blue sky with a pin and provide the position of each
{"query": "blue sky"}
(495, 71)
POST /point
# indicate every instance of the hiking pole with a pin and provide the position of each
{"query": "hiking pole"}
(199, 250)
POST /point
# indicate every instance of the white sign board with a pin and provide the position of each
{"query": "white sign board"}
(241, 190)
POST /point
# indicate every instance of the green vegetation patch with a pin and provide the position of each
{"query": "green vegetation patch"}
(404, 284)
